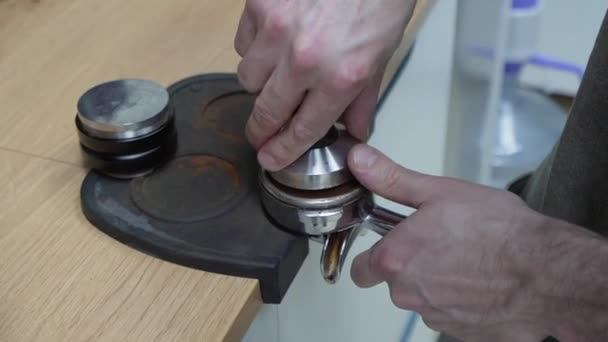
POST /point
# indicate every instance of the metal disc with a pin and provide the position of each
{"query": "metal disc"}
(124, 109)
(334, 197)
(322, 167)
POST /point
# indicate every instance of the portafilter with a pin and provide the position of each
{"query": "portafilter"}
(318, 196)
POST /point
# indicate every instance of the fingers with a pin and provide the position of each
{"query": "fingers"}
(362, 271)
(274, 106)
(382, 262)
(378, 265)
(359, 115)
(384, 177)
(245, 34)
(317, 113)
(320, 109)
(256, 67)
(264, 52)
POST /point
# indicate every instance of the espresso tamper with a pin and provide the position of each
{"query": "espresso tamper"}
(125, 127)
(319, 197)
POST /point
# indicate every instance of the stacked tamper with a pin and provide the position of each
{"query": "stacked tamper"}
(125, 127)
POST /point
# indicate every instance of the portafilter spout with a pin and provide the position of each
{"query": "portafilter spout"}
(318, 196)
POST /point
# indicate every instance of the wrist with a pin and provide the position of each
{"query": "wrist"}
(566, 294)
(527, 250)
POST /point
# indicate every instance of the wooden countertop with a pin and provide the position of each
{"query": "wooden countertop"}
(62, 279)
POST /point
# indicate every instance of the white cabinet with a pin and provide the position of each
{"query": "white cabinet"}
(410, 129)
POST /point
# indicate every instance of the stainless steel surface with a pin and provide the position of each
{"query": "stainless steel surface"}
(124, 109)
(312, 199)
(320, 168)
(318, 196)
(333, 210)
(333, 217)
(382, 220)
(334, 252)
(303, 212)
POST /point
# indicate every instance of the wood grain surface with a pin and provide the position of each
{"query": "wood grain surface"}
(62, 279)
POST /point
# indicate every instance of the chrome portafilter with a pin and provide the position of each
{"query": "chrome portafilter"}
(318, 196)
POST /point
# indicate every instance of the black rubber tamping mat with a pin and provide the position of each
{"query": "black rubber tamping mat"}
(202, 209)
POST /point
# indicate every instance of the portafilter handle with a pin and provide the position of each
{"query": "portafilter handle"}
(337, 245)
(382, 220)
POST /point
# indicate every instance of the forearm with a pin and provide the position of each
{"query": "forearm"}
(571, 282)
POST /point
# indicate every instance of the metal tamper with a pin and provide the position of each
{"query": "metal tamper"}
(318, 196)
(125, 127)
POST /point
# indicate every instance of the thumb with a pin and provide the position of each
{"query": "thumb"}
(384, 177)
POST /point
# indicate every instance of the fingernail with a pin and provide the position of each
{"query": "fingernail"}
(364, 157)
(267, 161)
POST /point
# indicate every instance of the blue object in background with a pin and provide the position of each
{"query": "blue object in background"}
(409, 327)
(520, 4)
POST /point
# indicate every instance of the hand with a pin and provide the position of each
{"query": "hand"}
(312, 63)
(465, 260)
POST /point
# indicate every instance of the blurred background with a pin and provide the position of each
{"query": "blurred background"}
(517, 66)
